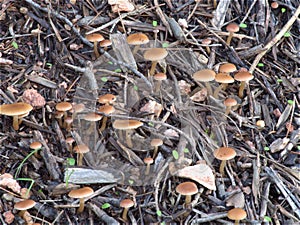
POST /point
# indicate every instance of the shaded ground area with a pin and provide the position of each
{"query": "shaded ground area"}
(177, 124)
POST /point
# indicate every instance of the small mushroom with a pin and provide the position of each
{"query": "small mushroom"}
(224, 79)
(227, 68)
(155, 55)
(137, 40)
(156, 142)
(105, 44)
(205, 75)
(206, 42)
(70, 141)
(107, 99)
(63, 107)
(81, 193)
(229, 103)
(16, 110)
(187, 189)
(224, 154)
(36, 146)
(106, 109)
(231, 28)
(244, 77)
(159, 77)
(77, 108)
(237, 214)
(126, 204)
(148, 161)
(68, 122)
(23, 206)
(80, 150)
(95, 38)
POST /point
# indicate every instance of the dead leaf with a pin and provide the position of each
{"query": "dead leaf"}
(279, 144)
(32, 97)
(171, 133)
(199, 96)
(237, 200)
(8, 181)
(8, 217)
(184, 87)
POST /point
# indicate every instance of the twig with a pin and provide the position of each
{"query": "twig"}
(102, 215)
(275, 39)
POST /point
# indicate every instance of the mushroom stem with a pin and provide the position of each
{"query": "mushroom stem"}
(222, 167)
(217, 90)
(128, 138)
(155, 152)
(124, 214)
(207, 49)
(153, 66)
(103, 126)
(96, 49)
(16, 122)
(228, 108)
(147, 169)
(188, 199)
(79, 159)
(81, 205)
(21, 213)
(229, 38)
(236, 222)
(135, 49)
(157, 86)
(241, 89)
(208, 87)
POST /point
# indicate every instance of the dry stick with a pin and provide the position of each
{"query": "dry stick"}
(102, 215)
(85, 41)
(275, 39)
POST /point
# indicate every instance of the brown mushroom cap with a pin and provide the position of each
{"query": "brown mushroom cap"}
(126, 203)
(35, 145)
(187, 188)
(63, 106)
(81, 192)
(156, 142)
(224, 78)
(77, 108)
(69, 140)
(92, 117)
(230, 102)
(224, 153)
(160, 76)
(106, 109)
(148, 160)
(81, 149)
(243, 76)
(237, 214)
(227, 68)
(94, 37)
(137, 39)
(232, 27)
(15, 109)
(25, 204)
(126, 124)
(155, 54)
(204, 75)
(105, 43)
(206, 41)
(107, 98)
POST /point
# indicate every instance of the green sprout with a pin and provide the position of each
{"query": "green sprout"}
(279, 80)
(243, 25)
(104, 79)
(287, 34)
(15, 45)
(71, 161)
(68, 178)
(23, 161)
(260, 65)
(159, 213)
(110, 62)
(163, 223)
(266, 148)
(175, 154)
(151, 124)
(30, 186)
(154, 23)
(49, 65)
(283, 10)
(290, 102)
(105, 206)
(135, 88)
(130, 182)
(267, 219)
(118, 70)
(186, 150)
(165, 45)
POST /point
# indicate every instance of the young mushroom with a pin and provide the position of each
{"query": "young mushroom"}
(106, 109)
(64, 107)
(137, 40)
(148, 161)
(69, 142)
(237, 214)
(224, 154)
(126, 204)
(81, 193)
(107, 99)
(227, 68)
(156, 142)
(95, 38)
(206, 42)
(231, 28)
(80, 150)
(23, 206)
(205, 75)
(187, 189)
(17, 111)
(224, 79)
(229, 103)
(244, 77)
(159, 77)
(105, 44)
(36, 146)
(155, 55)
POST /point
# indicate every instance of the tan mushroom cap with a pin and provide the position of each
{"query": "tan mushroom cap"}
(106, 109)
(237, 214)
(224, 78)
(94, 37)
(126, 124)
(81, 192)
(160, 76)
(25, 204)
(137, 39)
(232, 27)
(107, 98)
(156, 142)
(243, 76)
(69, 140)
(81, 149)
(230, 102)
(206, 41)
(35, 145)
(126, 203)
(92, 117)
(58, 114)
(204, 75)
(155, 54)
(15, 109)
(224, 153)
(63, 106)
(105, 43)
(77, 108)
(227, 68)
(148, 160)
(187, 188)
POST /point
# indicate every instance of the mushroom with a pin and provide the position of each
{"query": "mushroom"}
(63, 107)
(224, 154)
(95, 38)
(155, 55)
(237, 214)
(126, 204)
(23, 206)
(127, 125)
(229, 103)
(244, 78)
(105, 43)
(148, 161)
(227, 68)
(274, 5)
(81, 193)
(205, 76)
(77, 108)
(35, 146)
(68, 122)
(156, 142)
(231, 28)
(159, 77)
(16, 110)
(92, 117)
(106, 109)
(107, 99)
(80, 150)
(206, 42)
(69, 142)
(137, 40)
(224, 79)
(187, 189)
(58, 115)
